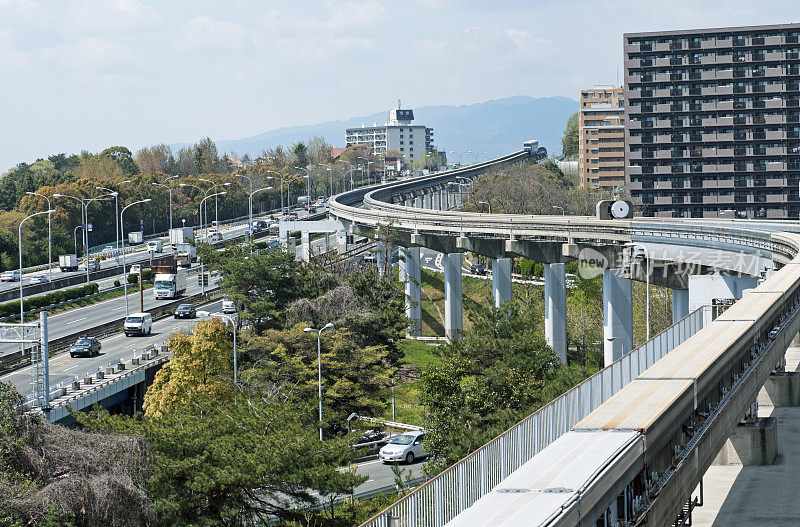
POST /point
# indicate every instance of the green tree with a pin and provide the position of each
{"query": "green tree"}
(254, 458)
(201, 365)
(354, 378)
(569, 139)
(123, 157)
(500, 370)
(300, 154)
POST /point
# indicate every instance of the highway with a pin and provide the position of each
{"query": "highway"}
(381, 476)
(118, 346)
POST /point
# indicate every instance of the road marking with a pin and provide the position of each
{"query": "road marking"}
(76, 320)
(369, 463)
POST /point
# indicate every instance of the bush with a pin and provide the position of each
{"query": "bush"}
(55, 297)
(147, 275)
(116, 283)
(133, 278)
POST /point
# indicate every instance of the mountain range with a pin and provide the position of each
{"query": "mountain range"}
(496, 127)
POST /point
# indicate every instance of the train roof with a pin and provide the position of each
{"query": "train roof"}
(694, 356)
(753, 306)
(541, 489)
(638, 406)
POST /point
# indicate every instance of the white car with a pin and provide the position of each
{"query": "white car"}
(228, 306)
(135, 268)
(404, 447)
(9, 276)
(38, 279)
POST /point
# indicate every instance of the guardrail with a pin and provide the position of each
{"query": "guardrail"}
(58, 345)
(462, 484)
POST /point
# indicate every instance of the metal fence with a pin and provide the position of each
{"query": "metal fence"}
(458, 487)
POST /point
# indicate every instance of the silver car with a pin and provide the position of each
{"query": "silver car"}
(404, 447)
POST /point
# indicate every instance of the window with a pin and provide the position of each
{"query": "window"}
(401, 148)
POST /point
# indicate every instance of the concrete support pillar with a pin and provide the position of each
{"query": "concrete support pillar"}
(453, 309)
(341, 241)
(418, 202)
(413, 290)
(781, 389)
(751, 444)
(427, 201)
(305, 246)
(617, 316)
(439, 201)
(555, 308)
(501, 280)
(704, 289)
(680, 304)
(381, 260)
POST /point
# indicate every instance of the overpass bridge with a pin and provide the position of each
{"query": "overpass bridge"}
(629, 445)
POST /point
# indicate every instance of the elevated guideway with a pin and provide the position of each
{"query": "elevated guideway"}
(664, 417)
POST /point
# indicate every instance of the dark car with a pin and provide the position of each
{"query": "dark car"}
(186, 311)
(312, 210)
(88, 346)
(477, 268)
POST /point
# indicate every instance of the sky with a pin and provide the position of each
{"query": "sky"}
(88, 74)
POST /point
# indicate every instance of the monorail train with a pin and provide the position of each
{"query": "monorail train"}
(638, 456)
(533, 148)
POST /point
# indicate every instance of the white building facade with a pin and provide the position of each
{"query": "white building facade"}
(411, 140)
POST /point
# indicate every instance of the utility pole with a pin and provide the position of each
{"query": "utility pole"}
(141, 289)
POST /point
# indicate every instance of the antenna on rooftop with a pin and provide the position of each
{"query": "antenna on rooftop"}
(398, 104)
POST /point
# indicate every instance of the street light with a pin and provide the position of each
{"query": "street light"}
(170, 199)
(114, 193)
(559, 208)
(367, 164)
(21, 305)
(329, 325)
(253, 193)
(250, 204)
(621, 349)
(85, 219)
(75, 238)
(205, 194)
(487, 204)
(49, 238)
(233, 323)
(122, 230)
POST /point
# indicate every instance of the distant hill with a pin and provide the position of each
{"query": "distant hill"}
(496, 127)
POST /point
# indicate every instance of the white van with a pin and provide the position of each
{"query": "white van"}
(154, 246)
(138, 324)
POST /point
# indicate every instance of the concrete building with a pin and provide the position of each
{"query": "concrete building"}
(601, 135)
(412, 140)
(712, 121)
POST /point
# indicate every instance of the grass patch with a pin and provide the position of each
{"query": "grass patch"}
(406, 403)
(419, 354)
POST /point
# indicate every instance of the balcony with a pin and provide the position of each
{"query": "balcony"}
(677, 169)
(774, 135)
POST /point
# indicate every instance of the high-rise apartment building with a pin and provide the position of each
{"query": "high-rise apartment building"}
(411, 140)
(713, 121)
(601, 136)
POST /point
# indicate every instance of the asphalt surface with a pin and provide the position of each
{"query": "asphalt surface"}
(381, 475)
(116, 347)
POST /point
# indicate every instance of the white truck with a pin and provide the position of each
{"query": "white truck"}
(68, 262)
(186, 253)
(169, 281)
(181, 235)
(154, 246)
(136, 237)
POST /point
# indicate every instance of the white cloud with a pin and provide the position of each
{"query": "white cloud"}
(109, 16)
(90, 54)
(22, 9)
(205, 33)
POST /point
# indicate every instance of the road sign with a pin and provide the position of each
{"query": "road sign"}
(89, 227)
(141, 225)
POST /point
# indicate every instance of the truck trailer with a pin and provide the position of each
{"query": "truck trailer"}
(68, 262)
(169, 280)
(181, 235)
(135, 237)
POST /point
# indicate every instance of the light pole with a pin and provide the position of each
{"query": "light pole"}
(329, 325)
(21, 305)
(75, 238)
(487, 204)
(122, 230)
(49, 238)
(205, 193)
(233, 323)
(647, 285)
(201, 209)
(116, 204)
(250, 205)
(367, 163)
(85, 218)
(281, 177)
(559, 208)
(350, 166)
(253, 193)
(216, 201)
(621, 348)
(170, 199)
